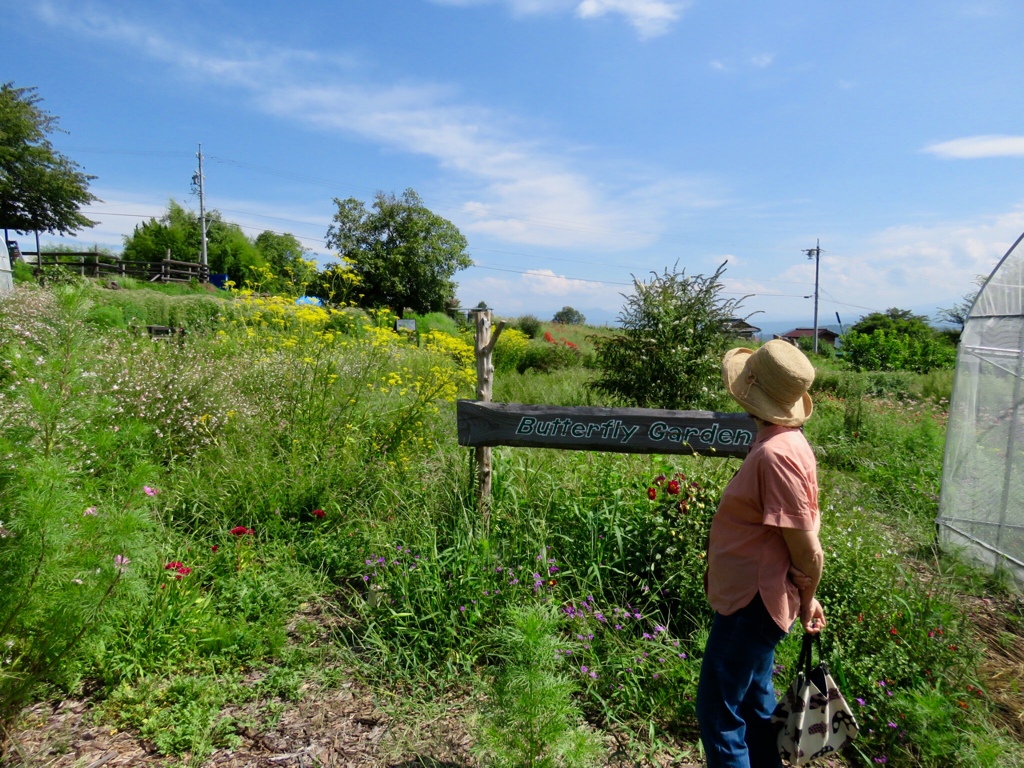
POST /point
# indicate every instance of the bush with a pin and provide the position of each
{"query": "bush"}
(510, 350)
(548, 357)
(669, 353)
(883, 350)
(529, 325)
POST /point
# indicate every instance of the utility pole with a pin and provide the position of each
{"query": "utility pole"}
(197, 181)
(815, 253)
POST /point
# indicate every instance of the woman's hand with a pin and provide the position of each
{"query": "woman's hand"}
(799, 578)
(812, 616)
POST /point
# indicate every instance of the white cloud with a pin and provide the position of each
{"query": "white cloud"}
(649, 18)
(762, 60)
(973, 147)
(520, 191)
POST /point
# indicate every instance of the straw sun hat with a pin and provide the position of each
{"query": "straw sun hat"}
(771, 382)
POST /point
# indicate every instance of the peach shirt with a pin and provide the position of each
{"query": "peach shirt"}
(775, 487)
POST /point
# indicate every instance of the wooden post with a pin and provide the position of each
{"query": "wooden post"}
(485, 342)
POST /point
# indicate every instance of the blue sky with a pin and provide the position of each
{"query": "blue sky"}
(574, 142)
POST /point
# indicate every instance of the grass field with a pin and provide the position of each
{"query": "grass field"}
(275, 504)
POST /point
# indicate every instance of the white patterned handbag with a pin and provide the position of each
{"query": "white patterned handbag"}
(812, 717)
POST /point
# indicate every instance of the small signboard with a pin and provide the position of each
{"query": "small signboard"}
(619, 430)
(405, 324)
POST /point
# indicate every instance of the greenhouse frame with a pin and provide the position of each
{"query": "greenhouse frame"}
(981, 509)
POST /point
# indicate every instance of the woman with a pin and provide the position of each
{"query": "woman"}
(764, 543)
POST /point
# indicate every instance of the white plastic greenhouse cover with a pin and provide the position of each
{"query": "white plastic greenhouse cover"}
(982, 504)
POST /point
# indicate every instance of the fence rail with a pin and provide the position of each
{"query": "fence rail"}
(93, 264)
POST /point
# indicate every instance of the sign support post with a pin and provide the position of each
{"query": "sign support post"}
(485, 342)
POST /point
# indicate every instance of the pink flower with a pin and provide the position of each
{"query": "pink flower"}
(319, 513)
(121, 562)
(89, 512)
(149, 491)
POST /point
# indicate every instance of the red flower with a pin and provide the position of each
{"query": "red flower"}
(673, 487)
(173, 566)
(652, 493)
(548, 337)
(659, 480)
(240, 530)
(214, 548)
(182, 571)
(319, 513)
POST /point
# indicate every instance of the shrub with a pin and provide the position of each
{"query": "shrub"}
(510, 350)
(669, 351)
(531, 720)
(548, 357)
(529, 325)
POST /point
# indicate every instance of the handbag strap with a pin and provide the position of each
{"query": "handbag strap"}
(805, 662)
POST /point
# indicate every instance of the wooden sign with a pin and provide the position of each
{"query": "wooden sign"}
(619, 430)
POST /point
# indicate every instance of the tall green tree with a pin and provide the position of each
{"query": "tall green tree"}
(404, 253)
(668, 353)
(40, 188)
(569, 316)
(229, 250)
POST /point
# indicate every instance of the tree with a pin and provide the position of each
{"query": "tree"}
(957, 314)
(896, 340)
(569, 316)
(901, 321)
(404, 254)
(40, 188)
(669, 351)
(229, 250)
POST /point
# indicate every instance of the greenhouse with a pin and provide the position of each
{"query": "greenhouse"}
(982, 504)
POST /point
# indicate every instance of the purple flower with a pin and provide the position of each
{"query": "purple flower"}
(149, 491)
(861, 701)
(121, 562)
(584, 670)
(462, 609)
(89, 511)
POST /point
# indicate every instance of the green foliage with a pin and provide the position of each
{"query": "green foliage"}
(22, 272)
(669, 351)
(274, 261)
(404, 254)
(893, 320)
(893, 350)
(529, 325)
(547, 357)
(569, 316)
(40, 188)
(334, 454)
(530, 718)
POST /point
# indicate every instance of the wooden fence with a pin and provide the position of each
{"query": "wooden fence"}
(100, 265)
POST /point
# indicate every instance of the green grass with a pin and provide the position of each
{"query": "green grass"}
(338, 453)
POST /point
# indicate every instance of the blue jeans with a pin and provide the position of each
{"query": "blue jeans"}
(735, 697)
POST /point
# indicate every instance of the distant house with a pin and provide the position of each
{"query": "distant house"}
(794, 336)
(739, 328)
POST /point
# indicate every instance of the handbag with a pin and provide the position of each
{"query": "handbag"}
(812, 717)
